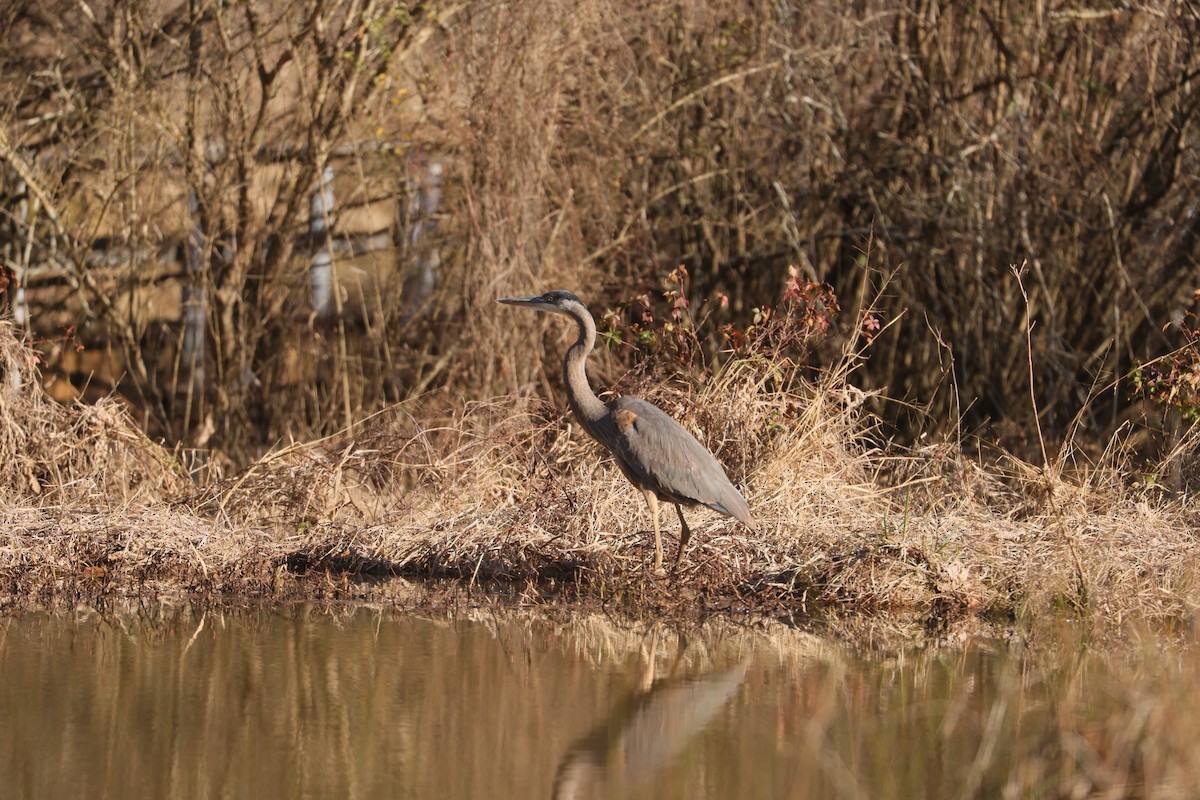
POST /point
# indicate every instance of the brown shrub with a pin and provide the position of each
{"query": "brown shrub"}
(595, 147)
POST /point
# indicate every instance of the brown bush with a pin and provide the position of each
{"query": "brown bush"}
(594, 146)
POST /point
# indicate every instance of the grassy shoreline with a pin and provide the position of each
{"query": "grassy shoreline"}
(506, 498)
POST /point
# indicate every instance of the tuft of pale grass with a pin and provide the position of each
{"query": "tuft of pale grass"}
(79, 453)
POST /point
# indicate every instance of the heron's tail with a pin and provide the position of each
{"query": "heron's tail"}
(734, 505)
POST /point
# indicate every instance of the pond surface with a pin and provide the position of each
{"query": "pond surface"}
(357, 704)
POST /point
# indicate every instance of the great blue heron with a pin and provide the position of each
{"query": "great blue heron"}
(654, 451)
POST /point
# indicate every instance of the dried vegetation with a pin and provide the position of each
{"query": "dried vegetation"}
(597, 146)
(508, 497)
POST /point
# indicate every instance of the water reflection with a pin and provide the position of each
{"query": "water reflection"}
(645, 734)
(366, 704)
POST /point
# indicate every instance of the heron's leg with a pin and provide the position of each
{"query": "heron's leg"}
(652, 501)
(685, 533)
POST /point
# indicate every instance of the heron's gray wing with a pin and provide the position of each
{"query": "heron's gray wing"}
(662, 455)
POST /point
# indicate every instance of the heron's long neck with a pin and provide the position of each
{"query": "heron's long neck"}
(588, 408)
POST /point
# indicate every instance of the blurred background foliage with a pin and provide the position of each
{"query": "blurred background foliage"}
(896, 159)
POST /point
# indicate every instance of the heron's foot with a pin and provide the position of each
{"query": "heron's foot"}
(659, 572)
(678, 556)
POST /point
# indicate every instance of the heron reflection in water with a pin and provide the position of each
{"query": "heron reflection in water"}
(654, 451)
(645, 735)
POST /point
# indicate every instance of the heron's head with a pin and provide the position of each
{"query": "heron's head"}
(558, 301)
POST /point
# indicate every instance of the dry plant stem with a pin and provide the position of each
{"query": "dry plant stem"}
(1051, 474)
(1028, 330)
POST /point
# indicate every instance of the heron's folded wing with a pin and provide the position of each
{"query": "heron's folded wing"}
(663, 455)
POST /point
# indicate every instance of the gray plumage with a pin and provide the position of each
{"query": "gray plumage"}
(658, 453)
(655, 452)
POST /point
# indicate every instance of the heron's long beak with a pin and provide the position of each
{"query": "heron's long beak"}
(529, 302)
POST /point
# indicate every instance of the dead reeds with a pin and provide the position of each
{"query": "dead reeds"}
(511, 496)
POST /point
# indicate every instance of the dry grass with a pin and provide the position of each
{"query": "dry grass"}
(509, 496)
(79, 454)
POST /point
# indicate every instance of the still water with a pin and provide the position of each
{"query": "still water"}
(358, 704)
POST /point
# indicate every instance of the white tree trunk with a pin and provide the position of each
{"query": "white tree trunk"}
(321, 272)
